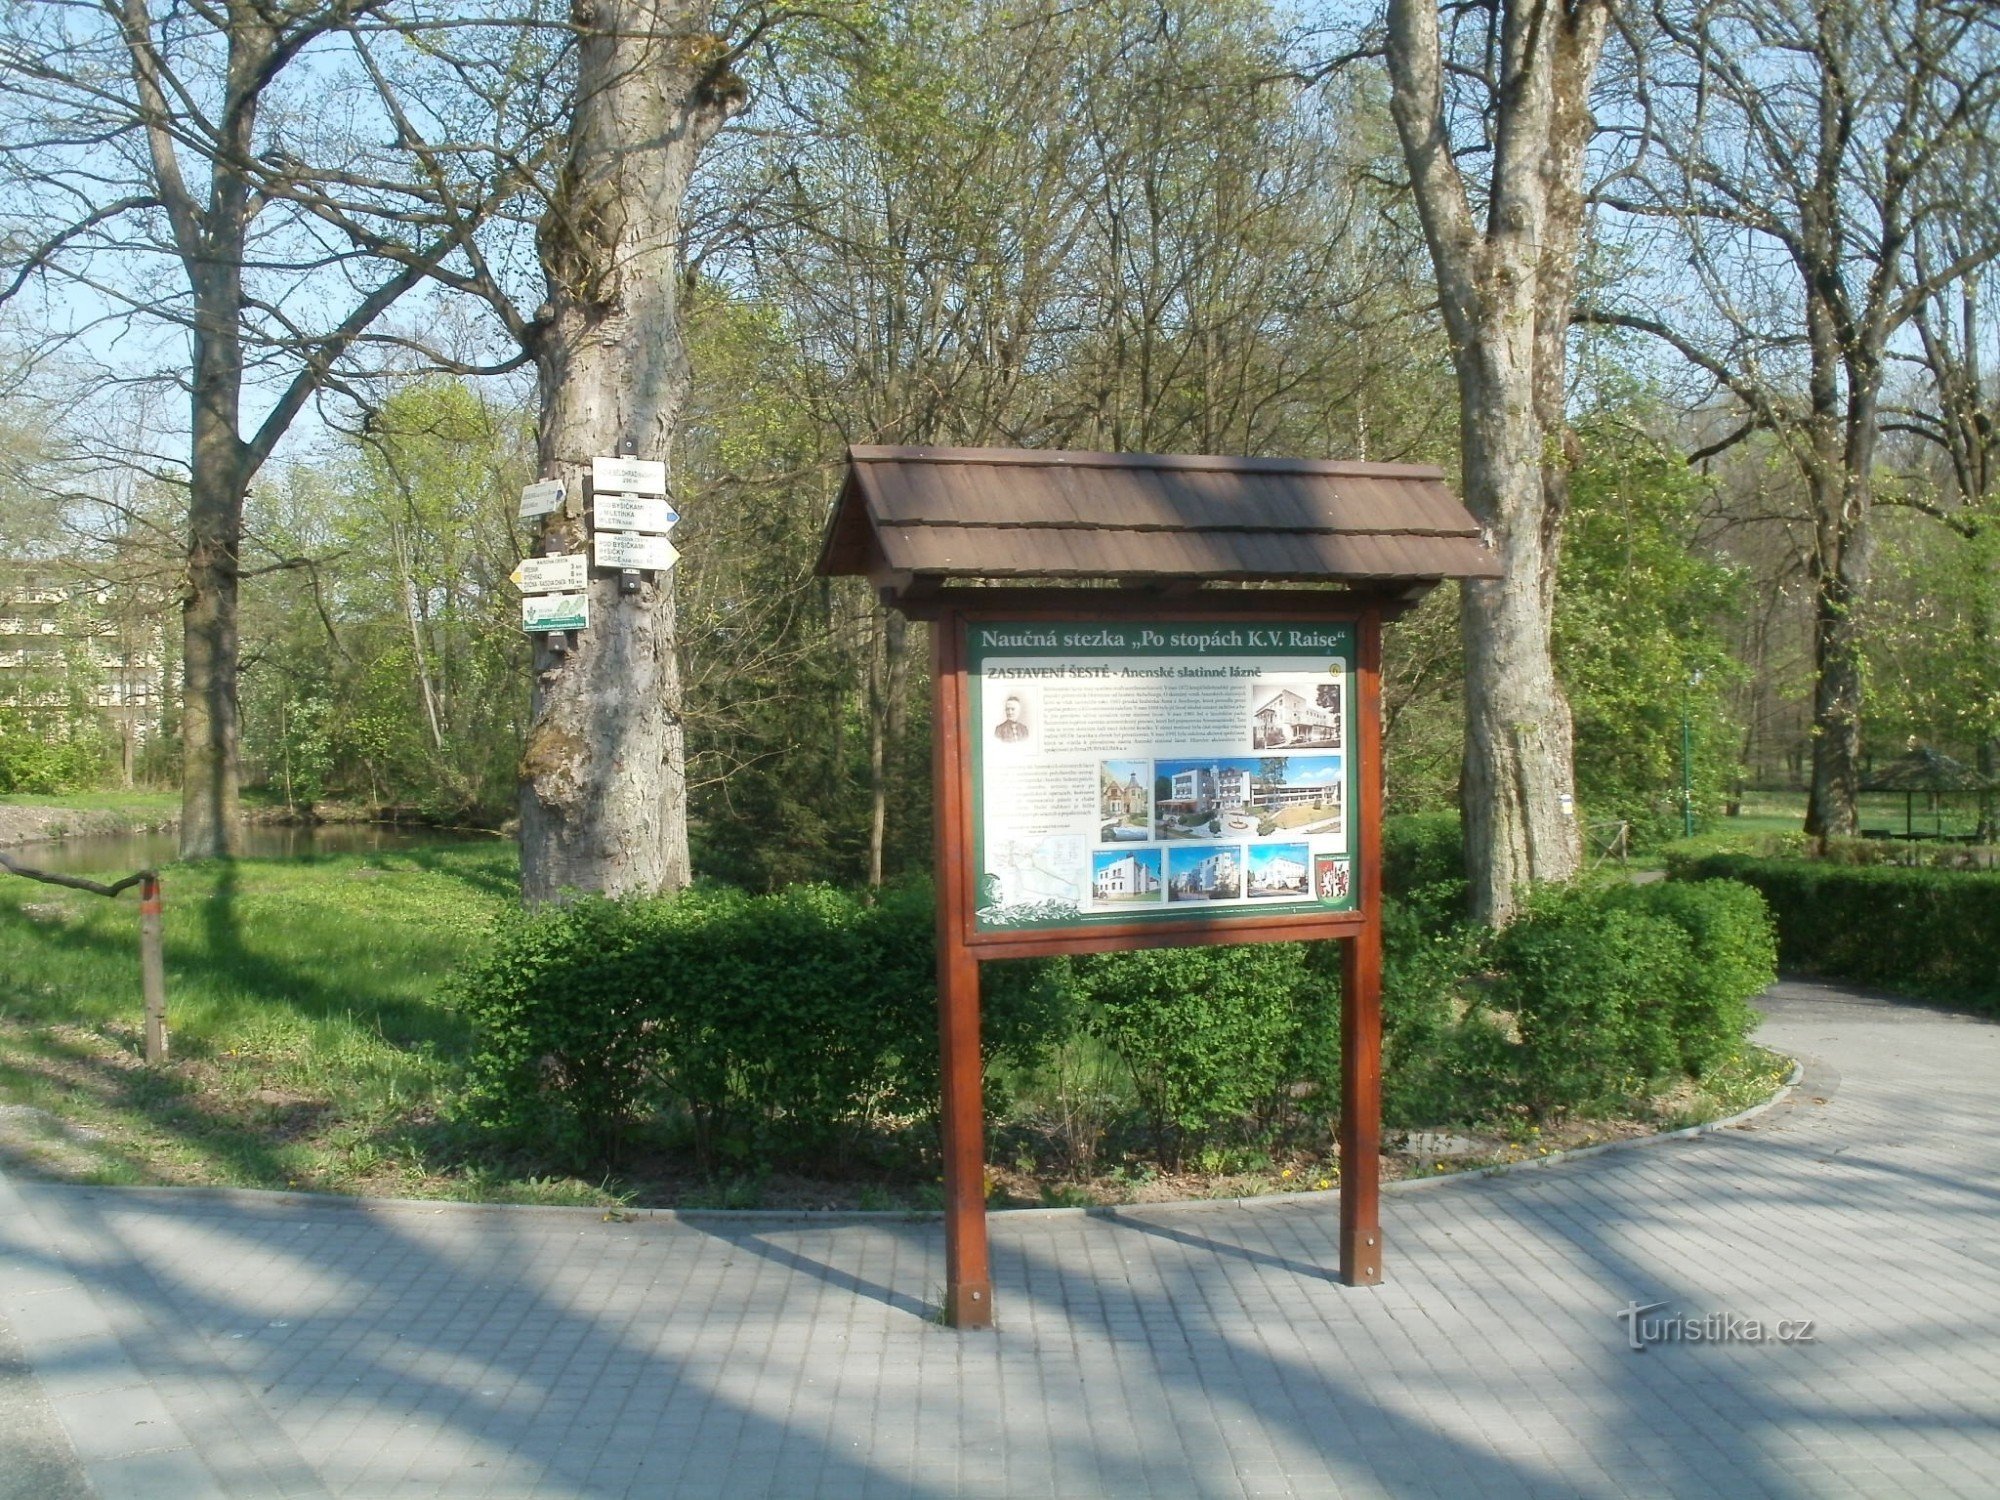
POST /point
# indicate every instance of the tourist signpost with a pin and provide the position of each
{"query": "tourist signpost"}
(1154, 762)
(563, 573)
(634, 513)
(630, 517)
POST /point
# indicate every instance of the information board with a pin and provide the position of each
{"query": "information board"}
(555, 612)
(1162, 771)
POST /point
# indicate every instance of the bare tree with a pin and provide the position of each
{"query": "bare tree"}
(1507, 86)
(639, 87)
(1955, 412)
(1803, 153)
(1121, 225)
(603, 777)
(173, 167)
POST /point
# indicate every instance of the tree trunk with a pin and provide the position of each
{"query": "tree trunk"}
(1517, 786)
(1835, 786)
(888, 677)
(1505, 291)
(218, 480)
(1842, 455)
(603, 777)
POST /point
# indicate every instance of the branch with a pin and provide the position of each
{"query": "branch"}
(75, 883)
(39, 257)
(1723, 445)
(1745, 391)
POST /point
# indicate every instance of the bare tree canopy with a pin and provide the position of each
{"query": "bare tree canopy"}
(174, 181)
(1803, 162)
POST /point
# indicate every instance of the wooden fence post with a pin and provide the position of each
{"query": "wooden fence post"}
(152, 955)
(153, 970)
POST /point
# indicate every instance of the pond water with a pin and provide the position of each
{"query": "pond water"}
(122, 853)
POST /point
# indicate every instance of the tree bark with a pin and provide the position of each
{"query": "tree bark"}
(888, 679)
(210, 241)
(210, 774)
(1505, 291)
(603, 774)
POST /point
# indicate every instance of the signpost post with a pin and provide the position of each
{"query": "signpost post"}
(1157, 763)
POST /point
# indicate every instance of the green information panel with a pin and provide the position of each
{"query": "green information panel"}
(1160, 772)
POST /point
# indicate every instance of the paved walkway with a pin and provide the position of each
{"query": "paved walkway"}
(261, 1346)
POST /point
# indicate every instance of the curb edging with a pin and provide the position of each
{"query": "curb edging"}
(833, 1217)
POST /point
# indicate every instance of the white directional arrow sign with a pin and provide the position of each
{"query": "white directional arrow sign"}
(633, 513)
(540, 499)
(553, 575)
(617, 549)
(638, 476)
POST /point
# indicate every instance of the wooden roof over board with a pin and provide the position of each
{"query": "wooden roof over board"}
(912, 519)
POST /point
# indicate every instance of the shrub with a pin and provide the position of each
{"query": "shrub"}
(1591, 985)
(773, 1026)
(1423, 865)
(802, 1011)
(40, 759)
(564, 1046)
(1922, 931)
(1442, 1060)
(1210, 1034)
(1735, 956)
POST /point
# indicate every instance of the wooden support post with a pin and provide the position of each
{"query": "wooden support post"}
(968, 1281)
(153, 969)
(1361, 992)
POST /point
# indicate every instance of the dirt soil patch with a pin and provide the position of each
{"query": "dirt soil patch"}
(35, 825)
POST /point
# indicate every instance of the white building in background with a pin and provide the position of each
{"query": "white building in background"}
(1207, 789)
(1289, 718)
(1279, 874)
(1125, 876)
(61, 631)
(1213, 876)
(1200, 790)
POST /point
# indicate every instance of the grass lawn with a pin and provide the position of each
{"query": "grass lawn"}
(309, 1048)
(138, 803)
(1305, 817)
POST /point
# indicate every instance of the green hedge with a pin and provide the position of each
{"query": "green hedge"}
(777, 1027)
(808, 1010)
(1423, 865)
(1615, 989)
(1922, 931)
(1211, 1035)
(1735, 951)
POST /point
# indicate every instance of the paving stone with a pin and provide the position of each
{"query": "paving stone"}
(306, 1348)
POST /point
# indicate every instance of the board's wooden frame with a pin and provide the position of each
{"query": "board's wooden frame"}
(961, 947)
